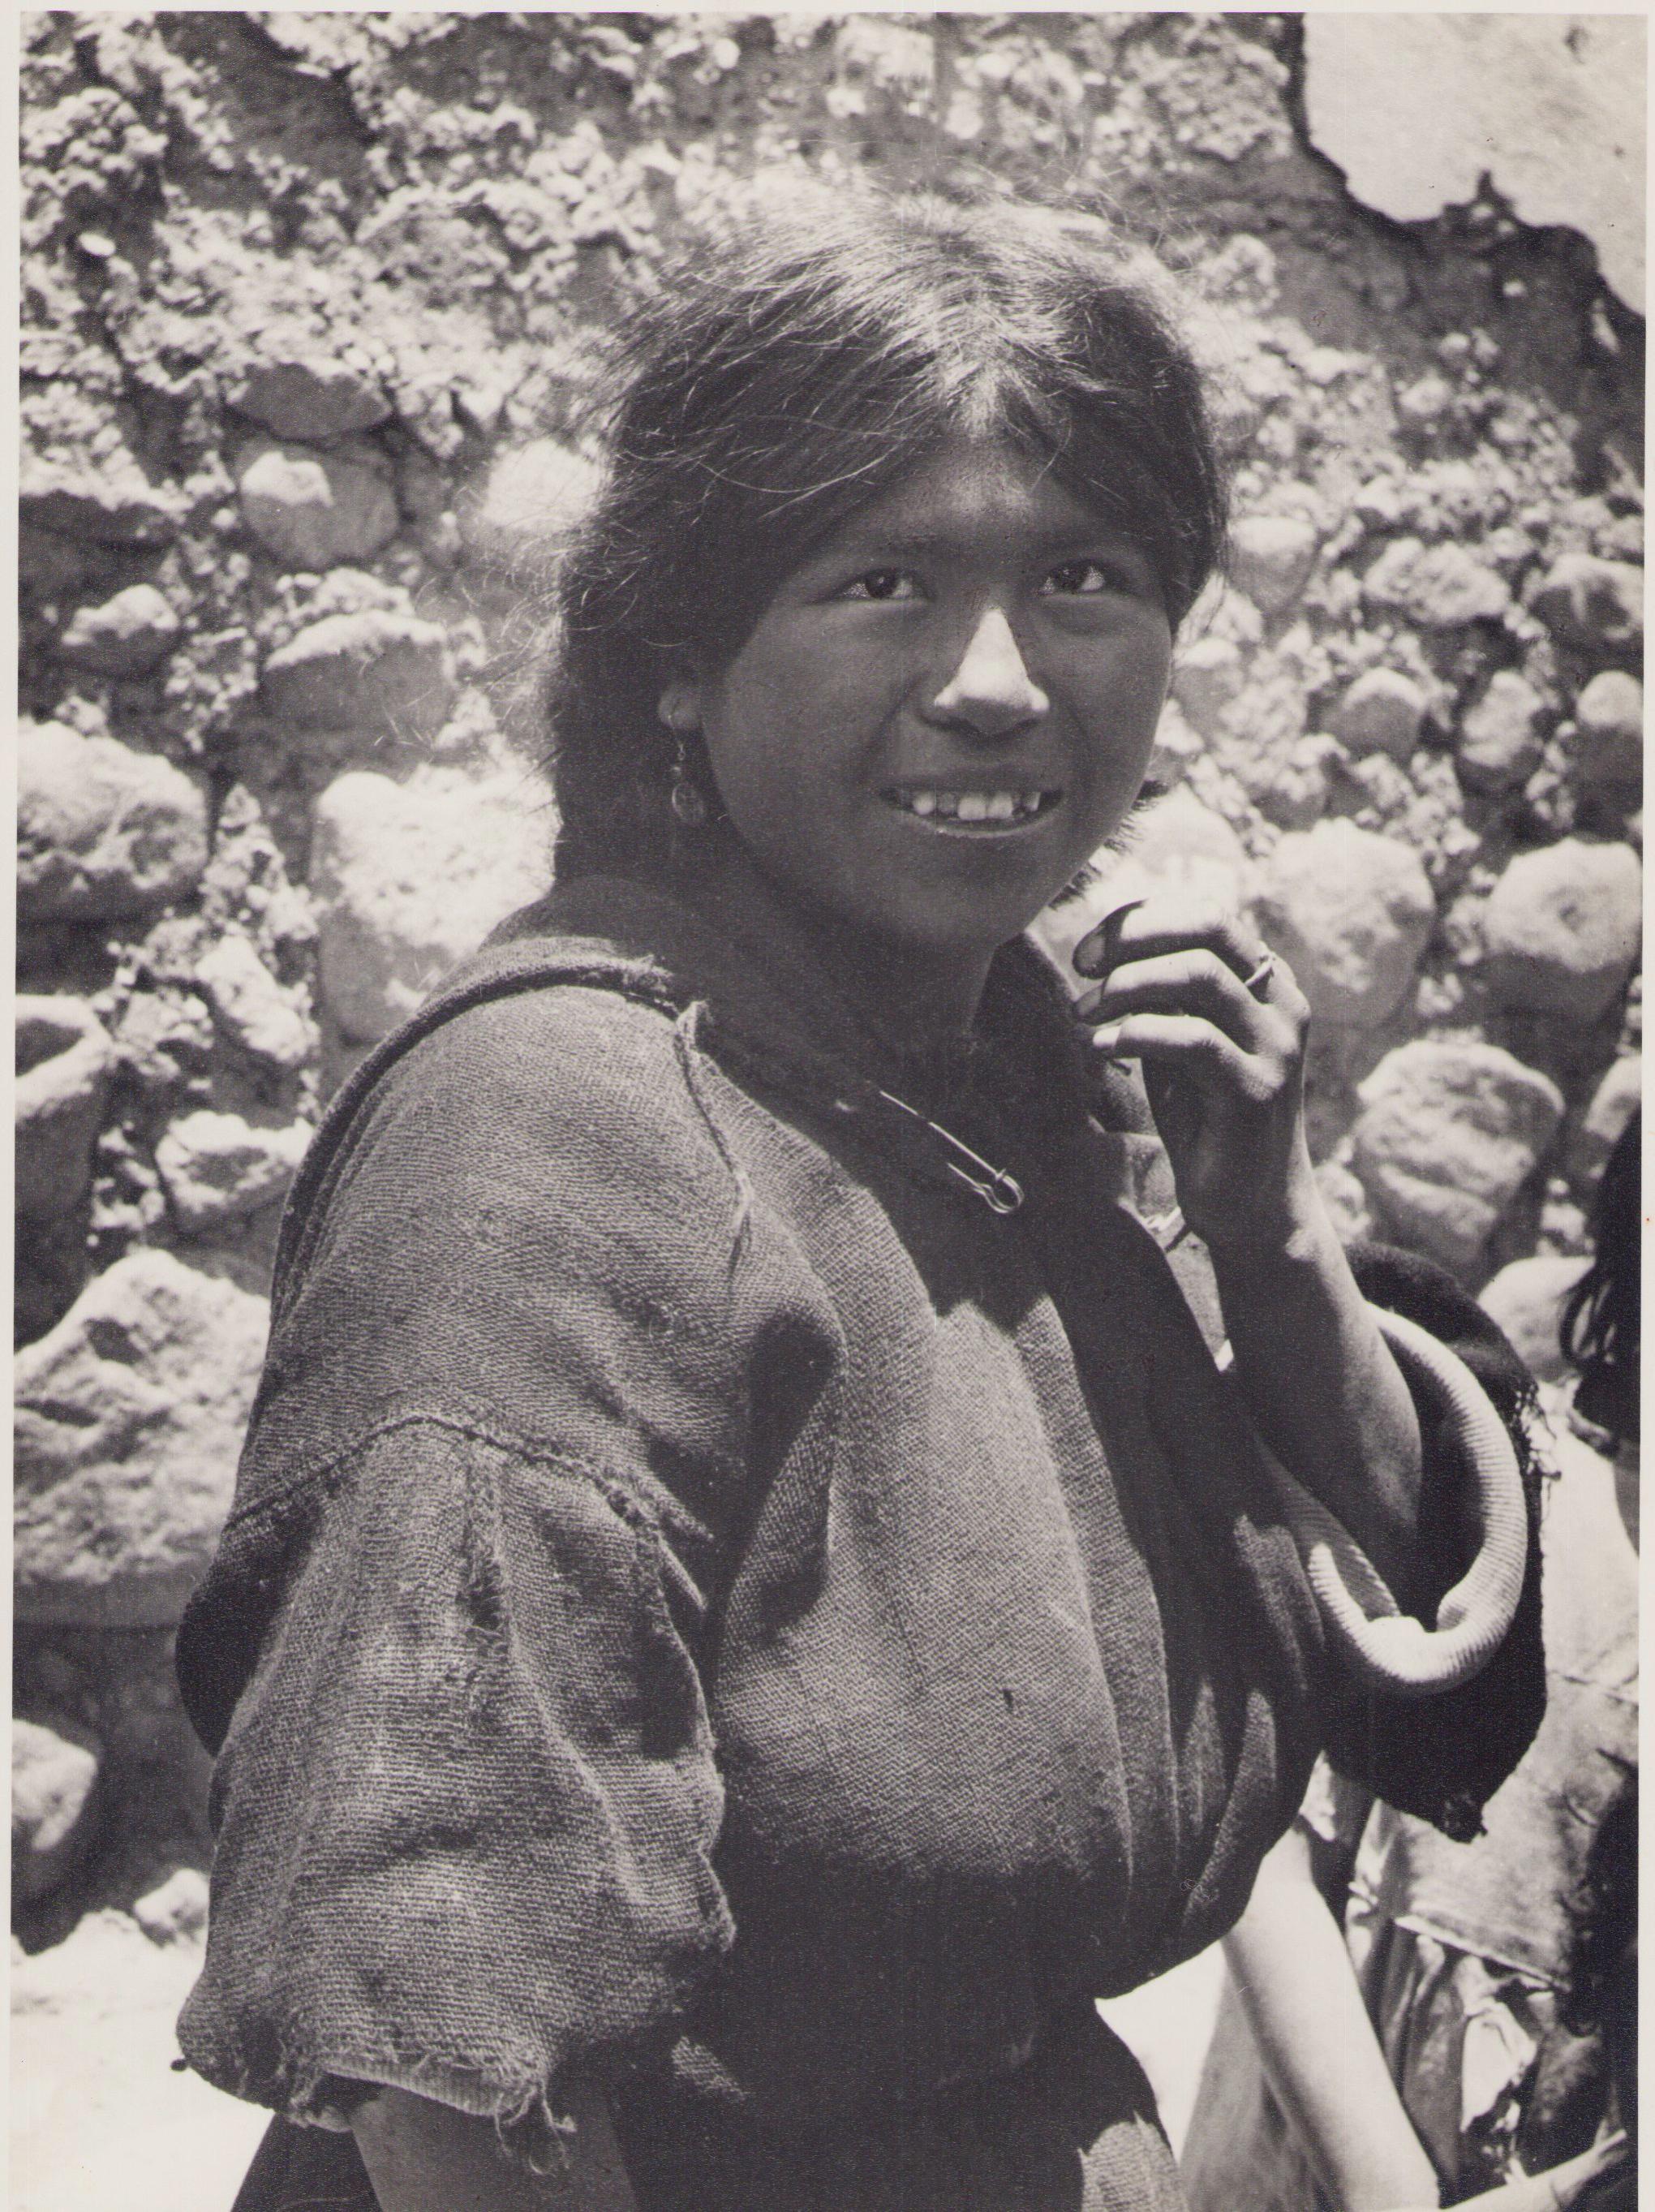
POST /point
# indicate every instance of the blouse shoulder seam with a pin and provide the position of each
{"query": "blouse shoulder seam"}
(620, 1499)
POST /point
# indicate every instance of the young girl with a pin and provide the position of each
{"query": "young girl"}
(750, 1602)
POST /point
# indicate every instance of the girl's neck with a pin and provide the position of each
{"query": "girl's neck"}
(912, 1001)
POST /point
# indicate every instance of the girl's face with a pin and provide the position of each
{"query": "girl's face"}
(947, 709)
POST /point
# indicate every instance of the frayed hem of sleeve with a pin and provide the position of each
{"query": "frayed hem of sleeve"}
(531, 2129)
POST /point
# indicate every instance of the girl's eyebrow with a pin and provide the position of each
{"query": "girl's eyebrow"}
(900, 544)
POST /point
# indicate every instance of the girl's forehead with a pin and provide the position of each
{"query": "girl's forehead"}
(971, 492)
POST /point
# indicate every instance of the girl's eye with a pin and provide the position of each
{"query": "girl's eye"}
(883, 584)
(1090, 579)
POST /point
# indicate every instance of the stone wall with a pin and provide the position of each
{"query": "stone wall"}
(310, 302)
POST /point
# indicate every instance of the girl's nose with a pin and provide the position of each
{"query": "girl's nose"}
(991, 689)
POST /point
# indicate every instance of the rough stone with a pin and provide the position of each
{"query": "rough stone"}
(176, 1910)
(57, 1802)
(1298, 794)
(64, 1059)
(891, 52)
(1609, 716)
(218, 1167)
(531, 498)
(1561, 927)
(1526, 1299)
(250, 1005)
(1271, 557)
(1588, 602)
(1387, 789)
(408, 877)
(1562, 1223)
(110, 506)
(50, 1267)
(1380, 503)
(1263, 723)
(103, 832)
(1426, 400)
(309, 396)
(438, 538)
(1449, 1131)
(1619, 1096)
(1345, 1199)
(1178, 843)
(127, 636)
(129, 1421)
(314, 510)
(1550, 105)
(1442, 586)
(1206, 676)
(1499, 740)
(1381, 712)
(1176, 748)
(376, 672)
(1350, 911)
(164, 1036)
(47, 564)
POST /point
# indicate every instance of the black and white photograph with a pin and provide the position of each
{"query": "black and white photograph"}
(827, 1197)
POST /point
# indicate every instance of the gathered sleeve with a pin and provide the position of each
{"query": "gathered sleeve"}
(466, 1795)
(1439, 1756)
(1442, 1757)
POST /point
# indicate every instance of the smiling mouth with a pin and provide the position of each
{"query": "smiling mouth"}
(1012, 808)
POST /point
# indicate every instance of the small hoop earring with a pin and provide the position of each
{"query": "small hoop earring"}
(685, 796)
(677, 710)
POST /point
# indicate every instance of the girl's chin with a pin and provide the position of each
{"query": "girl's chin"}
(954, 900)
(967, 930)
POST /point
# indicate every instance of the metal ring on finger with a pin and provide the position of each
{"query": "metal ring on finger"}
(1258, 982)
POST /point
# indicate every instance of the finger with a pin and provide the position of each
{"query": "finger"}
(1183, 1044)
(1095, 951)
(1169, 922)
(1188, 982)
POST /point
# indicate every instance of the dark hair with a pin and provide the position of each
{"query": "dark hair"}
(1601, 1327)
(788, 371)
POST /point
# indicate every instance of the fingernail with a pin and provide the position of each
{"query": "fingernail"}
(1106, 1036)
(1101, 953)
(1086, 1006)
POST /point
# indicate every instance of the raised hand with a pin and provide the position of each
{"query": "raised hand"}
(1218, 1026)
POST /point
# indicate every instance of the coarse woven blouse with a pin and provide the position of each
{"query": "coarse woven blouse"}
(710, 1603)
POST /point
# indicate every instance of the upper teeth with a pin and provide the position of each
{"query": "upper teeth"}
(971, 805)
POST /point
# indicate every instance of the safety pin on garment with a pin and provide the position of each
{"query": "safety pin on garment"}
(1002, 1193)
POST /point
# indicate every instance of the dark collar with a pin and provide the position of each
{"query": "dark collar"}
(770, 1014)
(767, 1001)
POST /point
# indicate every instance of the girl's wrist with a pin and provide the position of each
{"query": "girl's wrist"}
(1295, 1233)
